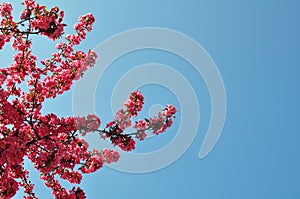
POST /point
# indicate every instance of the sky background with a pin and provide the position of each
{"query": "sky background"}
(255, 45)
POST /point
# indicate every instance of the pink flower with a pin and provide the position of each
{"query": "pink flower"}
(141, 135)
(110, 124)
(94, 121)
(49, 23)
(2, 41)
(169, 111)
(141, 125)
(5, 9)
(111, 156)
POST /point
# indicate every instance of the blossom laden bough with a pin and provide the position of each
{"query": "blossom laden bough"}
(56, 146)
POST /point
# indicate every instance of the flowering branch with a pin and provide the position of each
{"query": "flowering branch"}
(53, 144)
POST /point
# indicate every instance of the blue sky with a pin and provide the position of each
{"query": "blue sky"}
(255, 45)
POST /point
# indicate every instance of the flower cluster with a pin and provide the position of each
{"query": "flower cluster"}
(122, 121)
(48, 22)
(56, 146)
(87, 124)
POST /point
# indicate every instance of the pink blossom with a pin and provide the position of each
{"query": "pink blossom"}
(5, 9)
(2, 41)
(55, 144)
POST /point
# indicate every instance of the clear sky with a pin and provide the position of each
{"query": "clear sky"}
(255, 45)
